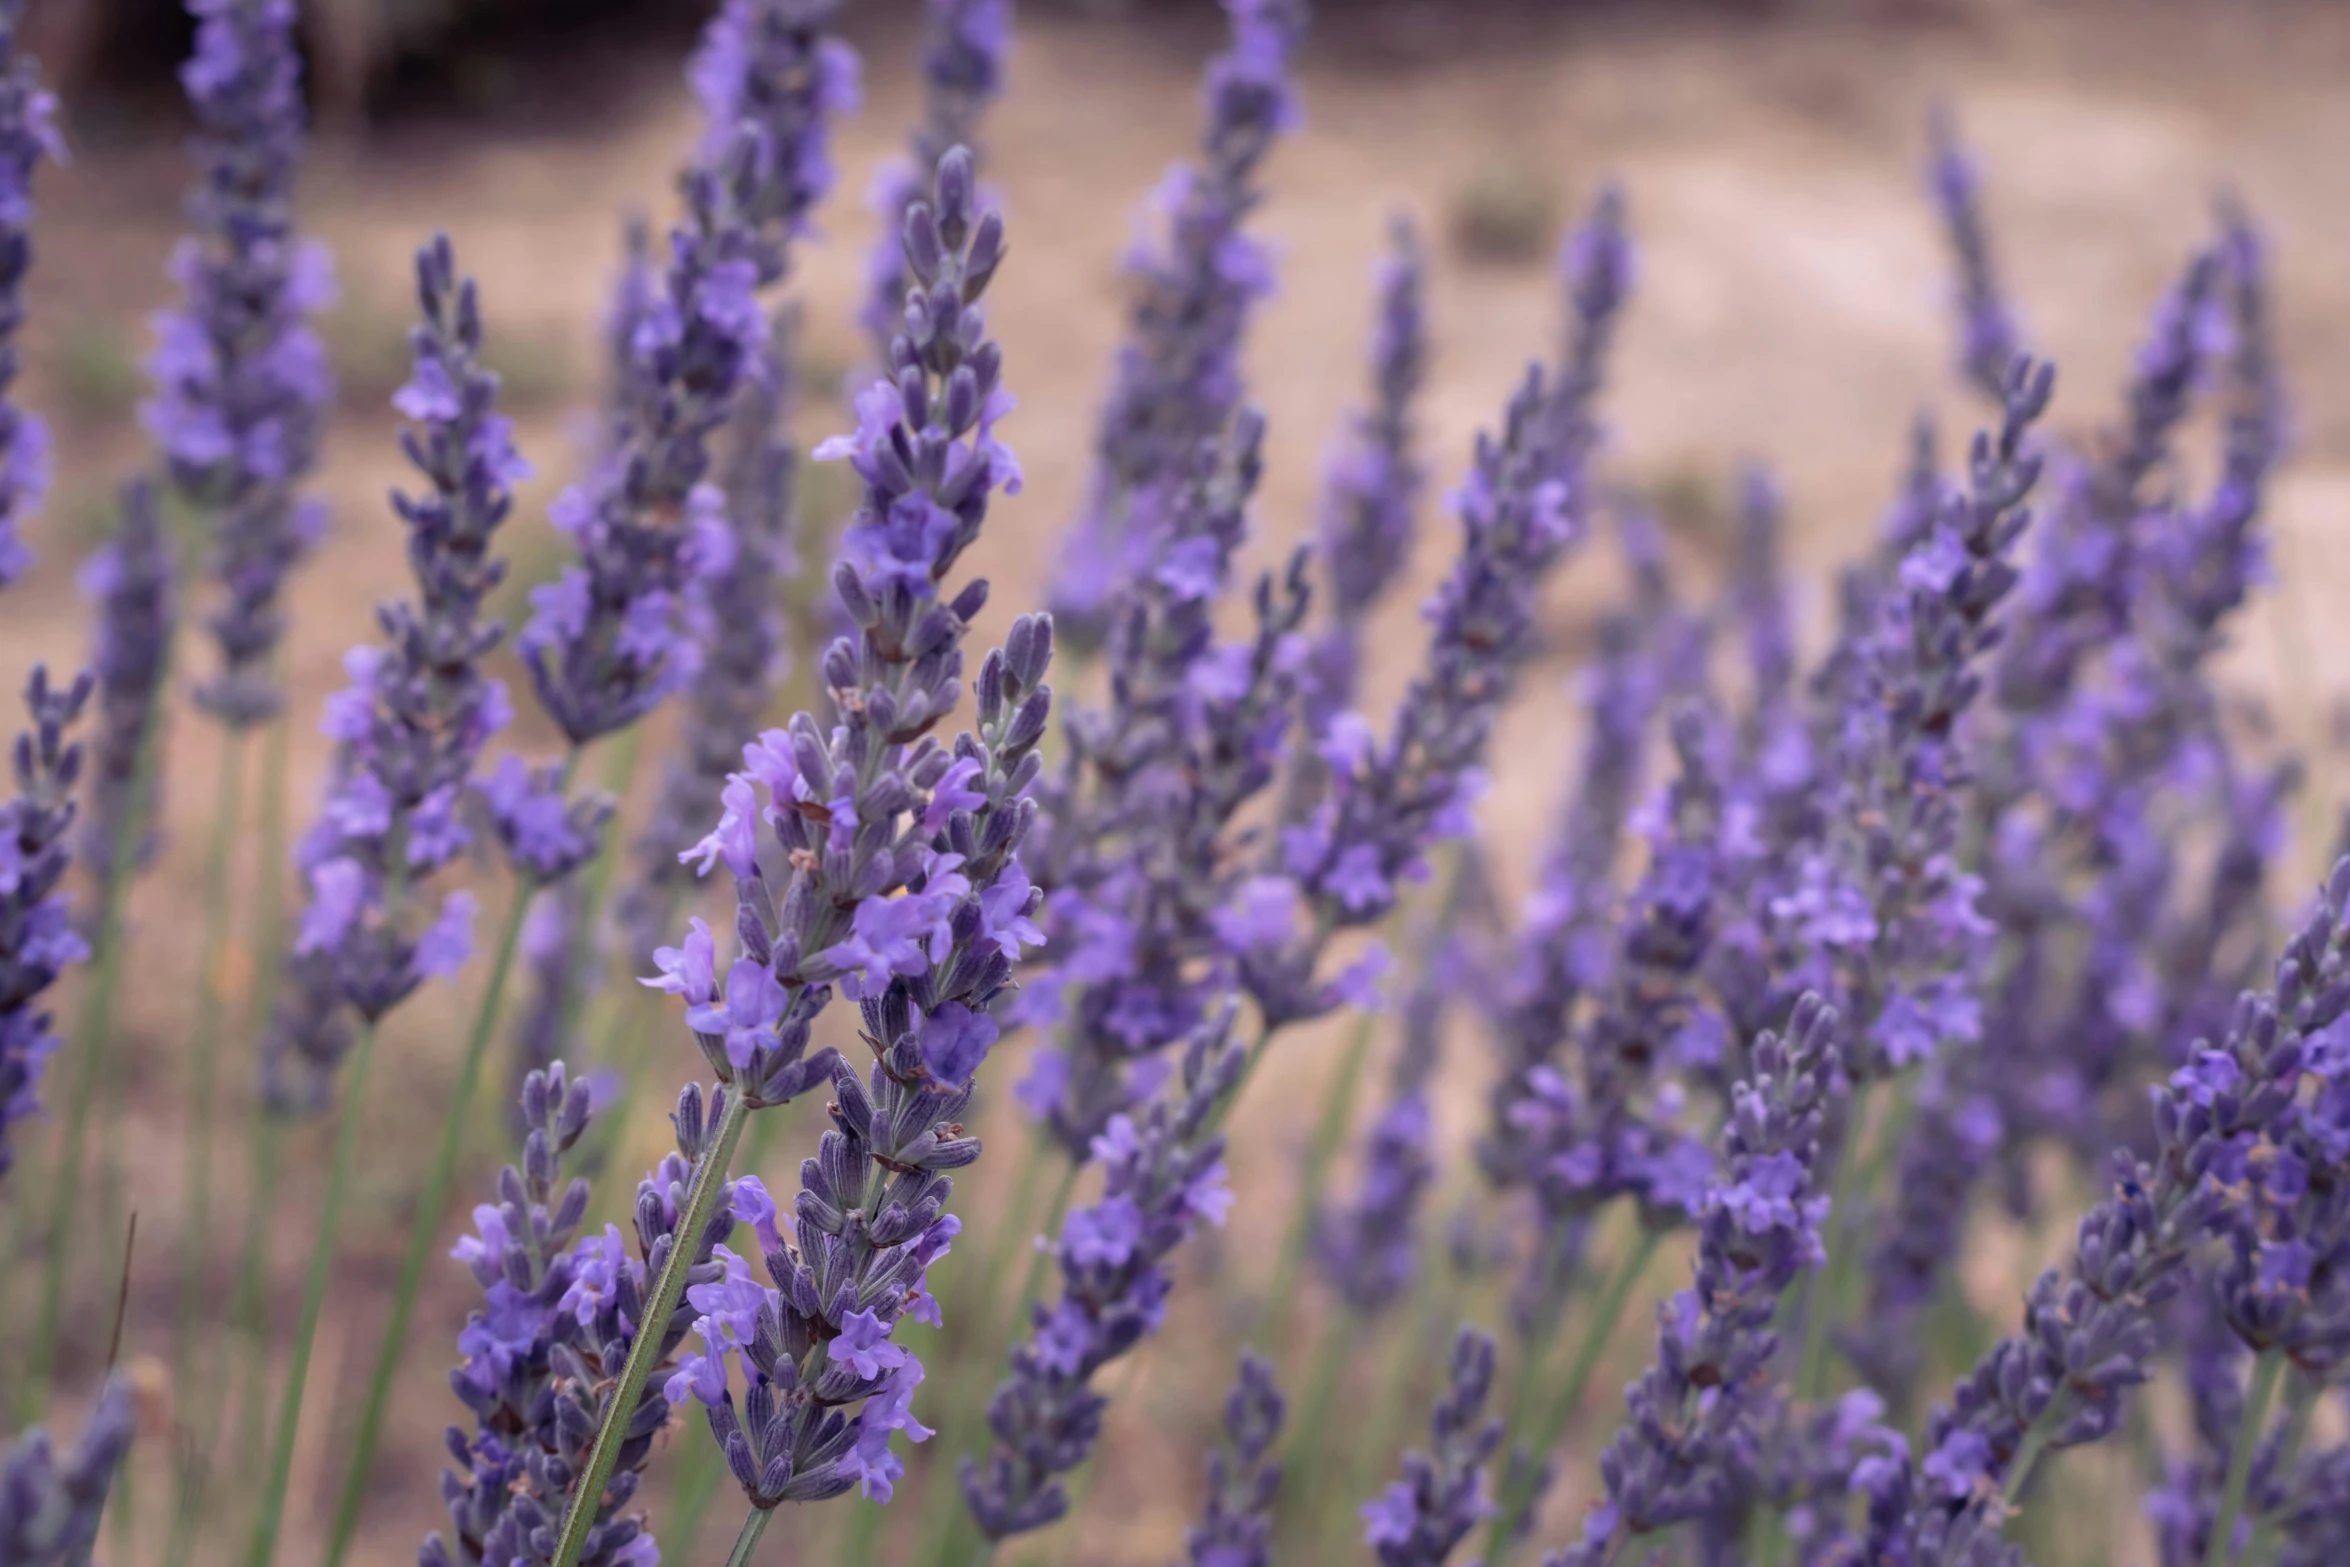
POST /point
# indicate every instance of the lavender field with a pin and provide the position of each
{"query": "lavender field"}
(1236, 784)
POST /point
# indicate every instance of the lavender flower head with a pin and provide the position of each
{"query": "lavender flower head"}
(1419, 1519)
(1236, 1525)
(559, 1314)
(37, 938)
(1372, 487)
(411, 726)
(50, 1509)
(1693, 1411)
(132, 579)
(963, 48)
(1177, 381)
(1989, 341)
(28, 133)
(770, 69)
(1162, 1178)
(241, 379)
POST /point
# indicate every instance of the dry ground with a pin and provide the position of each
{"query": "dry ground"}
(1790, 307)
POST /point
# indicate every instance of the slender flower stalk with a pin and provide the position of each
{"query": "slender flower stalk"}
(241, 380)
(28, 133)
(1177, 379)
(903, 888)
(1989, 340)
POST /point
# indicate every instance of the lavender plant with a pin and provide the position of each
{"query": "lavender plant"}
(1420, 1519)
(902, 886)
(28, 133)
(1236, 1527)
(37, 938)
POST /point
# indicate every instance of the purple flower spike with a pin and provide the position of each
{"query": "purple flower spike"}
(1163, 1177)
(1177, 381)
(1443, 1494)
(1989, 340)
(411, 726)
(1694, 1413)
(37, 938)
(1236, 1525)
(963, 48)
(28, 133)
(241, 380)
(132, 580)
(559, 1314)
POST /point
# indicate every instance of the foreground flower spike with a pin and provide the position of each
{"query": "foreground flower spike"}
(963, 48)
(241, 379)
(1989, 341)
(1371, 491)
(132, 580)
(28, 133)
(1177, 379)
(1236, 1526)
(1421, 1518)
(561, 1311)
(903, 887)
(37, 938)
(411, 725)
(50, 1510)
(1694, 1412)
(1162, 1178)
(2226, 1130)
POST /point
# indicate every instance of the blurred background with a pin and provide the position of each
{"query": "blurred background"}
(1791, 306)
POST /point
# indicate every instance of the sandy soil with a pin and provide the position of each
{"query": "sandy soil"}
(1790, 307)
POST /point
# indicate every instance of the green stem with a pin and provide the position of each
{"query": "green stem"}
(271, 1522)
(620, 1412)
(1338, 1101)
(2300, 1405)
(1310, 1435)
(746, 1544)
(1503, 1535)
(619, 772)
(422, 1232)
(2265, 1372)
(93, 1035)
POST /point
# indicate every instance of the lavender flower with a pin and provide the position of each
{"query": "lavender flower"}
(1162, 1177)
(1236, 1525)
(1989, 341)
(37, 938)
(904, 888)
(963, 49)
(50, 1510)
(28, 133)
(132, 580)
(2222, 1123)
(411, 726)
(1693, 1411)
(768, 71)
(241, 380)
(560, 1313)
(1371, 489)
(1421, 1518)
(1177, 381)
